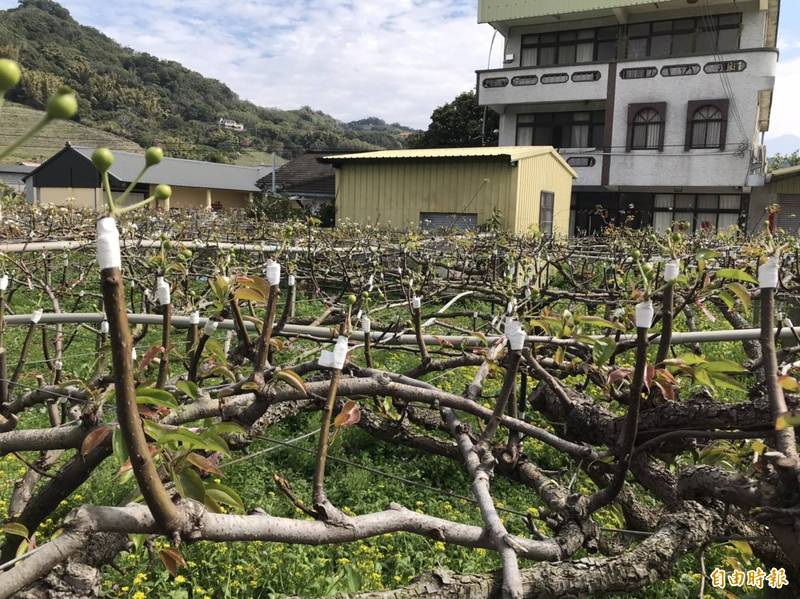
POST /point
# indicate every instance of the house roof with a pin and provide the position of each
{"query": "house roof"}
(304, 175)
(510, 153)
(184, 173)
(16, 168)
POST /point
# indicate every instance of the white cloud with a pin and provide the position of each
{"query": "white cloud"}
(784, 104)
(395, 59)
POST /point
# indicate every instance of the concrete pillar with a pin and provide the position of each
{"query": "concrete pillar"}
(208, 199)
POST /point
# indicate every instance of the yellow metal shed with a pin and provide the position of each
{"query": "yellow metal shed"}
(529, 185)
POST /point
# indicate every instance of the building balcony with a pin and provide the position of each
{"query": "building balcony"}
(499, 88)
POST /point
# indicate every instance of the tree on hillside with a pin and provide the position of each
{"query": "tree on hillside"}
(459, 124)
(784, 160)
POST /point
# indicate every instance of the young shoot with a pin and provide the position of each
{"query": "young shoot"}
(61, 105)
(103, 159)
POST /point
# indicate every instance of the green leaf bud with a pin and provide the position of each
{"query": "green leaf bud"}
(9, 74)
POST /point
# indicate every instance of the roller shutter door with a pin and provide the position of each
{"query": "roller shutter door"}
(789, 215)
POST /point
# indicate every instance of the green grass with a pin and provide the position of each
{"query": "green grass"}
(258, 158)
(16, 119)
(266, 570)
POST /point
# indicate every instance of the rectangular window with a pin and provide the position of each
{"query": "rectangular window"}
(546, 203)
(583, 129)
(702, 212)
(569, 47)
(708, 34)
(429, 221)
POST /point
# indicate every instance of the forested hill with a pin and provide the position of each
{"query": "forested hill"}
(153, 101)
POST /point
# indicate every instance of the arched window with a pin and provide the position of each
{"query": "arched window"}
(646, 128)
(707, 125)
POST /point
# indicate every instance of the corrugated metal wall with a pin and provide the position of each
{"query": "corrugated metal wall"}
(789, 185)
(395, 192)
(537, 174)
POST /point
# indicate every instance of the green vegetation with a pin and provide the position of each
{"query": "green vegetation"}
(459, 124)
(133, 95)
(17, 119)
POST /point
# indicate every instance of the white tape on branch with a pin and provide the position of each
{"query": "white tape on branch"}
(210, 327)
(36, 316)
(3, 282)
(194, 318)
(644, 315)
(514, 333)
(366, 324)
(290, 281)
(768, 273)
(671, 270)
(273, 273)
(133, 354)
(104, 327)
(162, 291)
(108, 254)
(416, 302)
(335, 358)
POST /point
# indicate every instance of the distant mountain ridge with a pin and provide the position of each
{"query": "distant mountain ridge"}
(152, 101)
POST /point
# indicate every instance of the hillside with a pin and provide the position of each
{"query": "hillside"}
(152, 101)
(16, 119)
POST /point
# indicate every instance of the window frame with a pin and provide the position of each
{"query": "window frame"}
(671, 28)
(551, 196)
(566, 39)
(696, 211)
(633, 110)
(558, 123)
(692, 108)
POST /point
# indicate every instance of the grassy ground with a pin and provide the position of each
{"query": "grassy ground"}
(16, 119)
(265, 570)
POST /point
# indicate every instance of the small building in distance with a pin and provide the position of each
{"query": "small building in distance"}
(13, 175)
(307, 180)
(69, 177)
(529, 186)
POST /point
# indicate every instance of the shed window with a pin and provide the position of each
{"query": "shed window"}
(431, 221)
(546, 203)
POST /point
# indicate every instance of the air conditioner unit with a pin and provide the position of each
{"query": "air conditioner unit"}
(509, 58)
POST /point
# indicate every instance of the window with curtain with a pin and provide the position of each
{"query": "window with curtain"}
(546, 203)
(702, 212)
(583, 129)
(706, 128)
(646, 130)
(569, 47)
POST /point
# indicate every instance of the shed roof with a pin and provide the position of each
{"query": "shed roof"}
(784, 173)
(510, 153)
(182, 172)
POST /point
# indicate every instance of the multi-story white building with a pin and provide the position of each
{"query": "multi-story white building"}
(659, 106)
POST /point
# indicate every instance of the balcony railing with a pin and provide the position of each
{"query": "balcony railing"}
(527, 85)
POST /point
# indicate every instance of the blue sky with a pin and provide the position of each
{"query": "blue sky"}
(396, 59)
